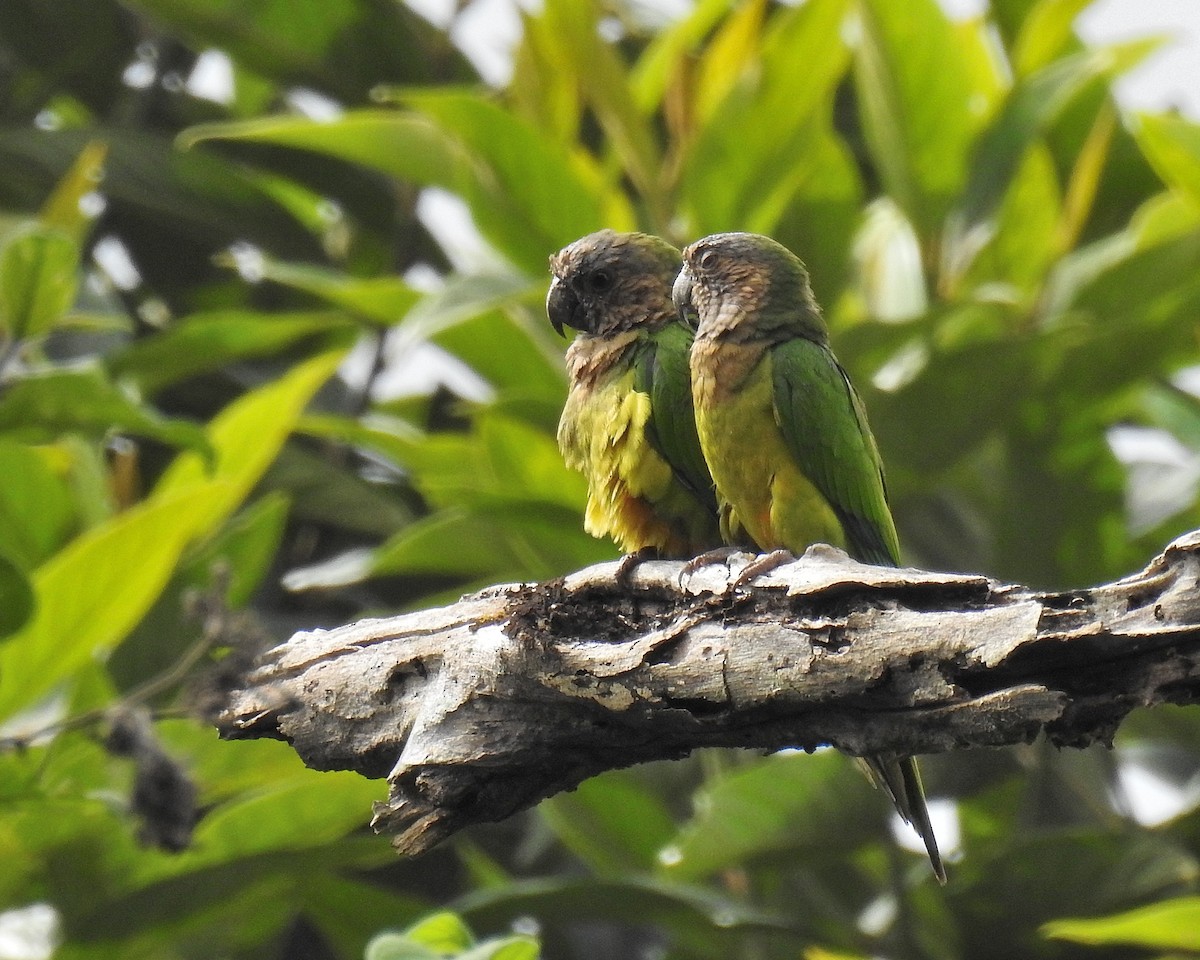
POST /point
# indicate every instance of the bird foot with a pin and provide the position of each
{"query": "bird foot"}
(630, 562)
(707, 558)
(760, 565)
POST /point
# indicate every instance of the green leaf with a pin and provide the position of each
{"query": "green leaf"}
(208, 341)
(36, 513)
(787, 802)
(614, 822)
(663, 54)
(527, 198)
(504, 948)
(246, 437)
(396, 946)
(914, 95)
(603, 80)
(1024, 244)
(16, 597)
(247, 546)
(90, 594)
(1033, 105)
(303, 809)
(343, 47)
(512, 352)
(443, 933)
(1170, 925)
(406, 146)
(324, 492)
(43, 405)
(462, 298)
(64, 208)
(39, 274)
(522, 188)
(705, 921)
(1046, 31)
(1172, 145)
(382, 300)
(762, 143)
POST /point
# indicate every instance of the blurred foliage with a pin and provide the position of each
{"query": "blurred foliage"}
(256, 376)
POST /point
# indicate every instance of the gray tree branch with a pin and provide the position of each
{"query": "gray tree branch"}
(479, 709)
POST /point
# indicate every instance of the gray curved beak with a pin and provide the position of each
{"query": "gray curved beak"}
(561, 305)
(681, 293)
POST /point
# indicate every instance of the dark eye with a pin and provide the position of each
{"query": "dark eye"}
(600, 280)
(708, 260)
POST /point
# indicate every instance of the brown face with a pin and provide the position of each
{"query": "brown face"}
(722, 276)
(745, 286)
(609, 282)
(583, 281)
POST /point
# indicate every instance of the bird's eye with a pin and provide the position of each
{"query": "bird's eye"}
(708, 260)
(600, 280)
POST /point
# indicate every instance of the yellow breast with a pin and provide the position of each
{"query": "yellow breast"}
(633, 496)
(760, 488)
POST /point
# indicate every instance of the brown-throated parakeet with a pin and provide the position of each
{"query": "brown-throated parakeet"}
(627, 424)
(783, 431)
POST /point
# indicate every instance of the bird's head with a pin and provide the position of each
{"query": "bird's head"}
(746, 286)
(610, 282)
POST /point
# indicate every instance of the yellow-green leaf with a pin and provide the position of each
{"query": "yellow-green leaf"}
(94, 591)
(245, 438)
(1170, 925)
(1172, 145)
(38, 279)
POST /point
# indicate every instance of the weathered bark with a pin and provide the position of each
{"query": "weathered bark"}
(480, 709)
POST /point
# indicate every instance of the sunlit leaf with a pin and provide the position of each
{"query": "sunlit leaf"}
(403, 145)
(1169, 925)
(1046, 31)
(396, 946)
(442, 933)
(64, 207)
(1172, 145)
(504, 948)
(87, 599)
(603, 80)
(527, 197)
(245, 438)
(38, 279)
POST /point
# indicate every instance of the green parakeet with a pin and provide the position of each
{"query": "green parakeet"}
(627, 424)
(783, 431)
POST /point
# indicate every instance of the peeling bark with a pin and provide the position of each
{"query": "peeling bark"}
(480, 709)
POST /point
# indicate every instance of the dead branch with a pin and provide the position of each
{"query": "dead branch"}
(480, 709)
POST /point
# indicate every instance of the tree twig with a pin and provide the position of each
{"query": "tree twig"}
(480, 709)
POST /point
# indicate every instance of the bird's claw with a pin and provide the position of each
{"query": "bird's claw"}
(707, 558)
(760, 565)
(630, 562)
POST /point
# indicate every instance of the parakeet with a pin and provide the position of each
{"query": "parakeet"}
(627, 425)
(783, 431)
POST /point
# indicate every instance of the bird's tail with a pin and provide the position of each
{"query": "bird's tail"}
(901, 779)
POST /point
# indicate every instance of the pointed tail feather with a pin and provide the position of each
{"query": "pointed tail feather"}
(901, 779)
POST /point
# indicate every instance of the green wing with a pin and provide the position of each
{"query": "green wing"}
(825, 428)
(661, 371)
